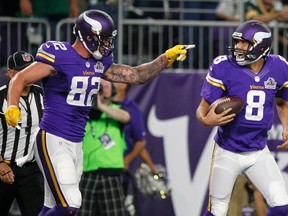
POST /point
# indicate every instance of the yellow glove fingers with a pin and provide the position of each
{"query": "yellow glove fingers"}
(177, 52)
(182, 52)
(181, 58)
(12, 115)
(172, 53)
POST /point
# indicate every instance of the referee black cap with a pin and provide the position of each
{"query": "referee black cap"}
(19, 60)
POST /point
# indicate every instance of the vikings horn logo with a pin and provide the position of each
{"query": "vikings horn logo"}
(96, 26)
(259, 36)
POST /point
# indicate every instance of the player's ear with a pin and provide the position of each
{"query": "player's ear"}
(10, 73)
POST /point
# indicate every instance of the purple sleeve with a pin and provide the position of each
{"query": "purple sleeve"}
(50, 53)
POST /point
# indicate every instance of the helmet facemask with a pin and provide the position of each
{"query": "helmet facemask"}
(244, 57)
(105, 44)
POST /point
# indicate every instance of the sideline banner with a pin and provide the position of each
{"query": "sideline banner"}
(176, 140)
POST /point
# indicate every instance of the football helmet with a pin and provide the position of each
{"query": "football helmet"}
(258, 35)
(152, 185)
(96, 30)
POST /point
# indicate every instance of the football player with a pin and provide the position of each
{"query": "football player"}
(260, 79)
(70, 76)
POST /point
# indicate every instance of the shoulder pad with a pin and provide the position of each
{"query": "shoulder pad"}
(48, 51)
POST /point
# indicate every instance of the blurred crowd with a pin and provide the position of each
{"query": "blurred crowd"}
(267, 11)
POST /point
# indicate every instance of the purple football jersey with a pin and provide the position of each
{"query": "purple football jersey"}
(248, 131)
(68, 94)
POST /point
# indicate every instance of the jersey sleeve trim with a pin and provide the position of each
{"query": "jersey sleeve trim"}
(46, 57)
(215, 82)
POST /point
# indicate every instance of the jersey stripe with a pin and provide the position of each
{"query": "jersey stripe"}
(51, 170)
(45, 57)
(215, 82)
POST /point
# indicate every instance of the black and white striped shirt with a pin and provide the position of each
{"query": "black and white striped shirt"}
(17, 145)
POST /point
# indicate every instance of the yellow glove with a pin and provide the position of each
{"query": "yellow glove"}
(12, 115)
(173, 53)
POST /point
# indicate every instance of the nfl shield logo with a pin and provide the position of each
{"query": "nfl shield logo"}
(26, 57)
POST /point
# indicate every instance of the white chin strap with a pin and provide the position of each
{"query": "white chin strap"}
(96, 54)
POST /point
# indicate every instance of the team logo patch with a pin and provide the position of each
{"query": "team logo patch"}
(26, 57)
(99, 67)
(270, 83)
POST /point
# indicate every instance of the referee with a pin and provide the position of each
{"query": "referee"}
(20, 177)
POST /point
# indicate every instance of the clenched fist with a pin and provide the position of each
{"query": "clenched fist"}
(12, 115)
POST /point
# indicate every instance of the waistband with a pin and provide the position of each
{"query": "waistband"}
(108, 171)
(13, 163)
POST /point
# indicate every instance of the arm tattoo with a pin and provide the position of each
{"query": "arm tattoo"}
(136, 75)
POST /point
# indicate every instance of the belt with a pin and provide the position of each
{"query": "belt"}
(109, 172)
(13, 163)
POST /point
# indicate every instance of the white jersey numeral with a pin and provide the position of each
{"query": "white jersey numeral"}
(78, 94)
(255, 105)
(219, 59)
(58, 45)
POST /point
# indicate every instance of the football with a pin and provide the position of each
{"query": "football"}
(228, 102)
